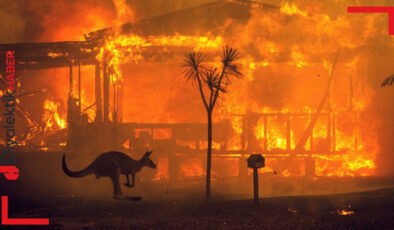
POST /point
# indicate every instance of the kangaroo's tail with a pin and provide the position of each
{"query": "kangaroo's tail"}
(88, 170)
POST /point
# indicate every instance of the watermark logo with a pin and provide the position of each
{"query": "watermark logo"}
(7, 157)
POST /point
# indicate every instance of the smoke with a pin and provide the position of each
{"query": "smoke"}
(47, 20)
(60, 20)
(12, 23)
(379, 61)
(151, 8)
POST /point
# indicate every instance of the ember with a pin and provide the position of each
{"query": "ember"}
(344, 212)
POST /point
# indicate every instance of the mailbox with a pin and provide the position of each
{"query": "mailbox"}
(256, 161)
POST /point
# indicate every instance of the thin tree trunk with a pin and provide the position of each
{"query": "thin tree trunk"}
(208, 178)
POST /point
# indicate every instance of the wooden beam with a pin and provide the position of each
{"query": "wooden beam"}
(288, 133)
(265, 133)
(106, 84)
(99, 105)
(71, 88)
(79, 85)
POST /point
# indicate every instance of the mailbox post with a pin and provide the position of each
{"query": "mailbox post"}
(256, 161)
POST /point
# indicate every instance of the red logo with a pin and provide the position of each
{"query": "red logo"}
(376, 9)
(10, 172)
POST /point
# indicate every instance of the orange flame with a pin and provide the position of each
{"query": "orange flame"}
(51, 118)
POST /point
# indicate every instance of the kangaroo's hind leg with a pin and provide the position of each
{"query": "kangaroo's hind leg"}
(128, 181)
(127, 184)
(133, 179)
(115, 176)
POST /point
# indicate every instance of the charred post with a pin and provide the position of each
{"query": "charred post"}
(106, 83)
(99, 105)
(256, 161)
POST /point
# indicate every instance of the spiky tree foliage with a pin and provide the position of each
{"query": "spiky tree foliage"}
(211, 84)
(388, 81)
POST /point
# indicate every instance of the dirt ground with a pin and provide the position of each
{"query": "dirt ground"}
(369, 210)
(43, 190)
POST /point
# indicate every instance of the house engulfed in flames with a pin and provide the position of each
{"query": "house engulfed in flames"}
(125, 92)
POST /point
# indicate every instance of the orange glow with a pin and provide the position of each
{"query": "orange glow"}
(54, 55)
(344, 212)
(162, 169)
(191, 167)
(51, 118)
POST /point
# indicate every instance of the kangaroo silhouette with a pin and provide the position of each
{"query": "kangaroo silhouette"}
(112, 164)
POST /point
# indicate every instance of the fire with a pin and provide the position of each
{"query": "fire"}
(196, 42)
(162, 169)
(355, 145)
(292, 9)
(51, 118)
(294, 211)
(285, 63)
(351, 164)
(124, 49)
(191, 167)
(120, 50)
(54, 55)
(298, 58)
(344, 212)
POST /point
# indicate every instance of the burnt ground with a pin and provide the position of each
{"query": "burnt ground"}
(287, 203)
(372, 210)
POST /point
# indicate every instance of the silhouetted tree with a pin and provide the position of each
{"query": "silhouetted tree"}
(211, 84)
(388, 81)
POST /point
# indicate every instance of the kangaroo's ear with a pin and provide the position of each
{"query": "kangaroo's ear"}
(148, 153)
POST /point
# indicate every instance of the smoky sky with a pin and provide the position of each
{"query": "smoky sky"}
(35, 20)
(32, 20)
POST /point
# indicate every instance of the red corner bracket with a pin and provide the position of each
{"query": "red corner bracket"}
(376, 9)
(18, 221)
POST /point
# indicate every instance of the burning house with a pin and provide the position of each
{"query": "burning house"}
(302, 102)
